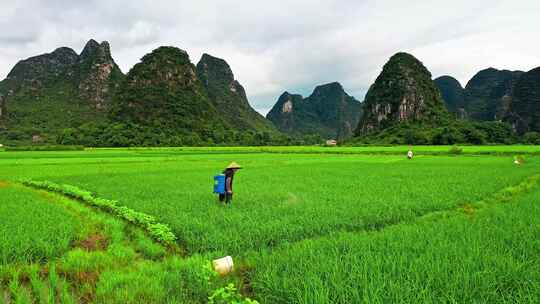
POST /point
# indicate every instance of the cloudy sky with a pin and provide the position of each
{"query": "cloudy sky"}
(293, 45)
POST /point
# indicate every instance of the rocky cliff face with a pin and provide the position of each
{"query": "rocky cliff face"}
(99, 75)
(92, 74)
(453, 94)
(163, 93)
(3, 111)
(489, 93)
(228, 96)
(524, 108)
(403, 92)
(329, 111)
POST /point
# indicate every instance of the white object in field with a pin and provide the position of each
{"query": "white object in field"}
(409, 154)
(517, 162)
(224, 265)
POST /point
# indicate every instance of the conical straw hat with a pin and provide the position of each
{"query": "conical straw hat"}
(234, 165)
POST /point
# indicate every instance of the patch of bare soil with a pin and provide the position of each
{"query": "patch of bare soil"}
(94, 242)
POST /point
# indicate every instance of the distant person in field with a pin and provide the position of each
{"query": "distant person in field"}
(410, 154)
(229, 178)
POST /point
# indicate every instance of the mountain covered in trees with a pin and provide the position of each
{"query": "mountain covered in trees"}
(47, 93)
(165, 99)
(403, 93)
(405, 106)
(453, 94)
(488, 94)
(163, 93)
(84, 98)
(524, 106)
(329, 112)
(496, 95)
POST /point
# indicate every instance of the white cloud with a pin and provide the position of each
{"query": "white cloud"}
(278, 46)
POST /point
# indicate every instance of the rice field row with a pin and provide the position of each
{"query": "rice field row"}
(33, 228)
(280, 198)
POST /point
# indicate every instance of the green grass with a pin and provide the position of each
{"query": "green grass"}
(32, 228)
(293, 197)
(107, 261)
(489, 256)
(307, 225)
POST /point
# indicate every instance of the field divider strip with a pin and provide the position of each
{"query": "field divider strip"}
(337, 151)
(158, 231)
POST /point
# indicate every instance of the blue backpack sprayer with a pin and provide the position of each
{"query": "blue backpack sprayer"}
(219, 184)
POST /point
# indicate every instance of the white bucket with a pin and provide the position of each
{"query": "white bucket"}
(224, 265)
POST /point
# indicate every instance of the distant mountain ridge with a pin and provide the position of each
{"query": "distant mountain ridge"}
(165, 93)
(165, 99)
(497, 95)
(329, 112)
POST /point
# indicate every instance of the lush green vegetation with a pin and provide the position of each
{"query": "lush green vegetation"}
(58, 251)
(481, 253)
(451, 132)
(160, 232)
(32, 228)
(307, 225)
(134, 135)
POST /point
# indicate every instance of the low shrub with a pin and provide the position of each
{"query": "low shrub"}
(229, 294)
(455, 150)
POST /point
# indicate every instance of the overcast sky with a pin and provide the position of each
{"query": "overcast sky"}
(293, 45)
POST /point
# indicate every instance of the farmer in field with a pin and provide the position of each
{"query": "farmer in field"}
(229, 177)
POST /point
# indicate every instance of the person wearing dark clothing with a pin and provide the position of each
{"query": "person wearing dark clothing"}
(229, 178)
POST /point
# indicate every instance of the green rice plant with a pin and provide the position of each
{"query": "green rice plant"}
(278, 197)
(490, 259)
(19, 293)
(66, 296)
(32, 227)
(39, 289)
(53, 283)
(356, 225)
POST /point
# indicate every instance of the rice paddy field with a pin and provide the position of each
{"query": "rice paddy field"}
(306, 225)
